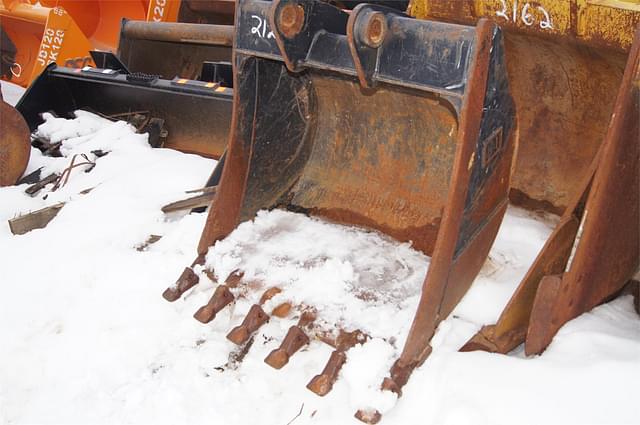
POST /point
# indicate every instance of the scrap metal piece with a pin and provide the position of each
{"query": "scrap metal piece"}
(38, 186)
(34, 220)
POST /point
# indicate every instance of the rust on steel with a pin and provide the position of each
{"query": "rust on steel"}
(607, 253)
(291, 20)
(565, 61)
(438, 297)
(14, 144)
(594, 250)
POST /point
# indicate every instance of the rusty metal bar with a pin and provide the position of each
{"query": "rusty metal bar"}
(217, 35)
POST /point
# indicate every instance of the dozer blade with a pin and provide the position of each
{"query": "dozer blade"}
(145, 47)
(14, 144)
(194, 116)
(565, 61)
(594, 250)
(218, 12)
(371, 119)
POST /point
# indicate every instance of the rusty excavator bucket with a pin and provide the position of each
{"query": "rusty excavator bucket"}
(595, 248)
(14, 144)
(565, 61)
(371, 119)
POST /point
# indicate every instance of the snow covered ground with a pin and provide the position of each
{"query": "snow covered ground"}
(87, 338)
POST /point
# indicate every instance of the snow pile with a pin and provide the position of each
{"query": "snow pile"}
(355, 279)
(87, 338)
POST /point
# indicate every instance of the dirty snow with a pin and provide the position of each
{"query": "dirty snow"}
(87, 338)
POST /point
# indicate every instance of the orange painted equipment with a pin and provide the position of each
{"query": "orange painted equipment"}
(33, 37)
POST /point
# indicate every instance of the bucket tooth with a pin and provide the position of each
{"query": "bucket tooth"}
(234, 279)
(368, 416)
(307, 318)
(323, 383)
(187, 280)
(269, 293)
(220, 299)
(251, 323)
(282, 310)
(295, 340)
(255, 318)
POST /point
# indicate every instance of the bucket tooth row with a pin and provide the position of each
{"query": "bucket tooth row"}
(308, 135)
(297, 336)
